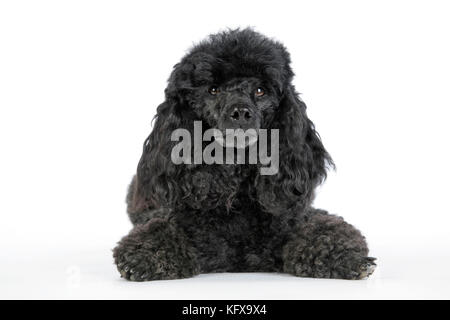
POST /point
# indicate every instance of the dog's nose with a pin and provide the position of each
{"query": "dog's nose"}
(241, 115)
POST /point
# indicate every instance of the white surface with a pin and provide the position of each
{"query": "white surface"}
(79, 84)
(88, 273)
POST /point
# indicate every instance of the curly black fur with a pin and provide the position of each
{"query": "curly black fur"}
(191, 219)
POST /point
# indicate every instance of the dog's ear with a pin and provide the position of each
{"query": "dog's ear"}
(153, 186)
(303, 159)
(155, 183)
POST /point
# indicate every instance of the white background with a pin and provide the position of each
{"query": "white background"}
(79, 84)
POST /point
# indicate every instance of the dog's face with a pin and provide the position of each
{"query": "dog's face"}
(241, 102)
(234, 81)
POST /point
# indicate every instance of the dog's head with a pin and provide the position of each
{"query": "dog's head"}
(234, 79)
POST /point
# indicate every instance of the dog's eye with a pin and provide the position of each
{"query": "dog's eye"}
(259, 92)
(213, 90)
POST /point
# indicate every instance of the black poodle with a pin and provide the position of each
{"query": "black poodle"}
(199, 218)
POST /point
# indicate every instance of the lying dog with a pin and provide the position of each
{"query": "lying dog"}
(193, 218)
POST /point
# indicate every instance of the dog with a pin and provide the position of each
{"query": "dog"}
(197, 218)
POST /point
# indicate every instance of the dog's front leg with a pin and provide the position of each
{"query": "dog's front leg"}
(156, 250)
(325, 246)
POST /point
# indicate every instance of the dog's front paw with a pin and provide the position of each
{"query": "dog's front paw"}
(328, 247)
(155, 251)
(351, 266)
(145, 266)
(364, 267)
(134, 269)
